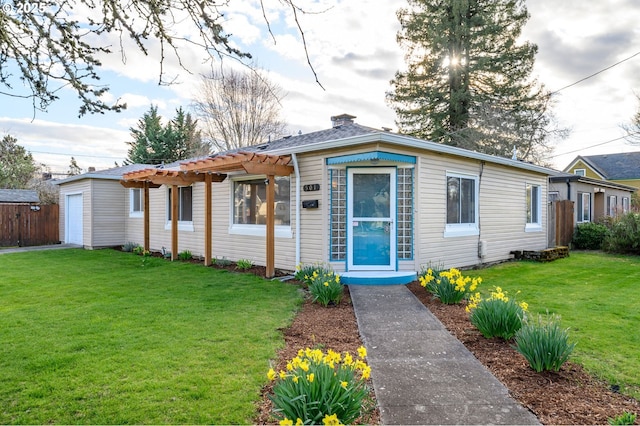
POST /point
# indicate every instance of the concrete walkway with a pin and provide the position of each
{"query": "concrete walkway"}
(38, 248)
(420, 372)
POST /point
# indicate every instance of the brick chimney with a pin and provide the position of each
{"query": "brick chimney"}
(342, 119)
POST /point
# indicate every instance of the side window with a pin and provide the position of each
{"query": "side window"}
(462, 205)
(185, 204)
(584, 207)
(136, 202)
(533, 207)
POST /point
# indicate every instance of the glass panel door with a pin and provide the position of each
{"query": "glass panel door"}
(371, 218)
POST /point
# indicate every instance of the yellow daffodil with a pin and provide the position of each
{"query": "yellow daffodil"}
(331, 420)
(282, 374)
(311, 377)
(299, 422)
(286, 422)
(271, 375)
(295, 379)
(362, 352)
(344, 384)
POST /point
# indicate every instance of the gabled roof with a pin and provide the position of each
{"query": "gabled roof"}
(353, 134)
(19, 196)
(114, 173)
(613, 166)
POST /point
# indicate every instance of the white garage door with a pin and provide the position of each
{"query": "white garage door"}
(73, 211)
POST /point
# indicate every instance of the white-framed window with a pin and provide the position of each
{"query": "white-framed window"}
(584, 207)
(534, 221)
(625, 205)
(612, 205)
(185, 208)
(462, 205)
(580, 172)
(249, 206)
(136, 202)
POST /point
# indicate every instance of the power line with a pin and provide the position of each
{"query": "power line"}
(76, 155)
(594, 74)
(598, 144)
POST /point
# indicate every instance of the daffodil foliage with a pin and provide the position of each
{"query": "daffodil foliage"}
(320, 387)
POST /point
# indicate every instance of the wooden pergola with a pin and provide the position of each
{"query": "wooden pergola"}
(209, 170)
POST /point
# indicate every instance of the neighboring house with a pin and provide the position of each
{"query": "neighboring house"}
(593, 198)
(94, 208)
(623, 168)
(19, 196)
(357, 198)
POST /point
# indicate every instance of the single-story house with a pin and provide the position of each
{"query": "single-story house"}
(623, 168)
(19, 196)
(594, 198)
(362, 200)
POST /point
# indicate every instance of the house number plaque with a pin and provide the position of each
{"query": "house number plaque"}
(311, 187)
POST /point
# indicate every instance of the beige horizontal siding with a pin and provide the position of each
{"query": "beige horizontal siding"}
(108, 206)
(83, 187)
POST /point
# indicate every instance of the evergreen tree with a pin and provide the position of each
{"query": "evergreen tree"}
(154, 143)
(468, 79)
(17, 167)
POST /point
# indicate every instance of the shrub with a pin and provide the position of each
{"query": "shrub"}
(244, 264)
(185, 255)
(325, 287)
(139, 250)
(221, 261)
(450, 286)
(589, 236)
(498, 315)
(129, 246)
(319, 387)
(624, 235)
(543, 343)
(626, 418)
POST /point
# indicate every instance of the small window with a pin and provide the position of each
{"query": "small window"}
(584, 207)
(533, 207)
(136, 202)
(580, 172)
(612, 205)
(250, 201)
(462, 205)
(625, 205)
(185, 204)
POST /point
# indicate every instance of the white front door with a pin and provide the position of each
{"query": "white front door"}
(73, 221)
(371, 214)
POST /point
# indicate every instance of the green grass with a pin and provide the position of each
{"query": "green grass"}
(598, 298)
(95, 337)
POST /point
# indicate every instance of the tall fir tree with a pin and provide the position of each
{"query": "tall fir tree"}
(468, 80)
(155, 143)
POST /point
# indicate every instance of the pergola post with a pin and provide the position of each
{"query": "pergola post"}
(147, 216)
(207, 219)
(271, 184)
(174, 221)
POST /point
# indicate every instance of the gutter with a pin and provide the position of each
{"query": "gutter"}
(294, 158)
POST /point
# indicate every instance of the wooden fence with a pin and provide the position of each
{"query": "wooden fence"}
(23, 225)
(561, 223)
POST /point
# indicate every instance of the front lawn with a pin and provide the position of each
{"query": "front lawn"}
(95, 337)
(597, 296)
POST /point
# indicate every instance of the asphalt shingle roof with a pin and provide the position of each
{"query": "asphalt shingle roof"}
(616, 166)
(19, 196)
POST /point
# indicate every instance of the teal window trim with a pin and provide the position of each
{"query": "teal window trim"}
(372, 155)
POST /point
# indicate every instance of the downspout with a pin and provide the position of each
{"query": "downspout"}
(568, 189)
(298, 204)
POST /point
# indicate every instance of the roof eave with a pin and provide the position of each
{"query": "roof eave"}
(411, 142)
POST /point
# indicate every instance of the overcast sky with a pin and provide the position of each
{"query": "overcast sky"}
(353, 49)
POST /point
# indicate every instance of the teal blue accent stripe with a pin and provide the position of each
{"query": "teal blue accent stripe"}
(373, 155)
